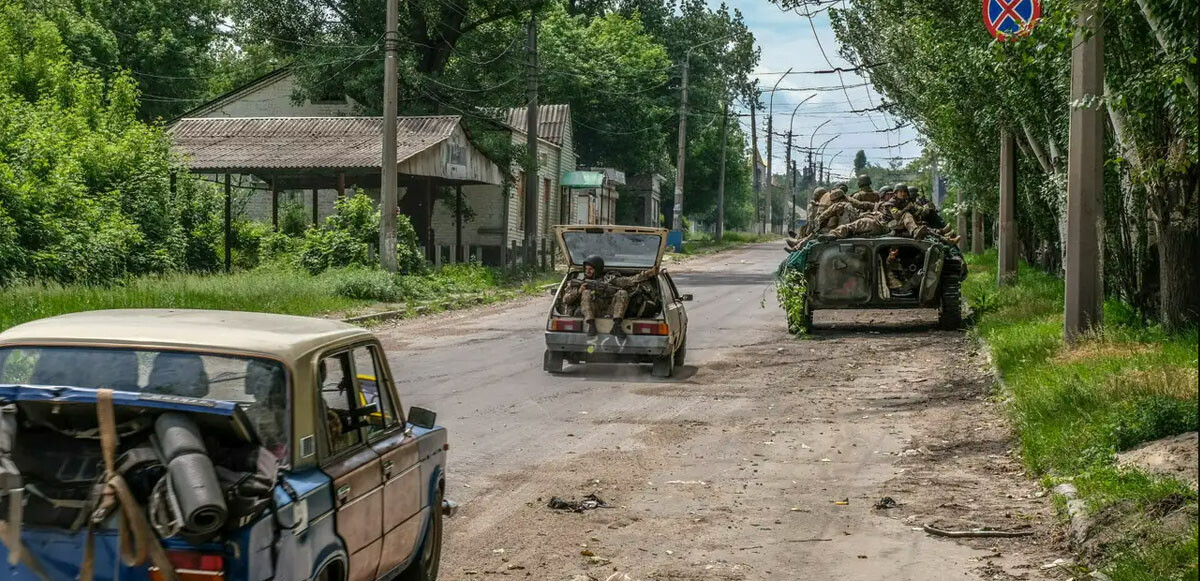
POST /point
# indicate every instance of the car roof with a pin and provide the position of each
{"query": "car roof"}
(284, 337)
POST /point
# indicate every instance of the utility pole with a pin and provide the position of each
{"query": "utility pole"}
(721, 180)
(1007, 243)
(389, 199)
(793, 222)
(1084, 304)
(754, 158)
(681, 157)
(767, 223)
(821, 172)
(787, 167)
(531, 143)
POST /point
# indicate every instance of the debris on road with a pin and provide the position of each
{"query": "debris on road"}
(588, 502)
(886, 503)
(842, 502)
(984, 532)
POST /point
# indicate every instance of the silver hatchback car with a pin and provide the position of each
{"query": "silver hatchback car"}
(653, 326)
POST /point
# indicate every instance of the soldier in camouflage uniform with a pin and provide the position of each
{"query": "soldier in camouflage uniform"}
(600, 291)
(865, 193)
(894, 214)
(926, 212)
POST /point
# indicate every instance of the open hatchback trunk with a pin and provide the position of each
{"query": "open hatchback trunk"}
(622, 247)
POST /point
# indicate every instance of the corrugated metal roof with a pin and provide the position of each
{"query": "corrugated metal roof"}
(552, 121)
(302, 142)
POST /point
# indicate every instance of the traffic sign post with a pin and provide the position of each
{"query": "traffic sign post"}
(1010, 19)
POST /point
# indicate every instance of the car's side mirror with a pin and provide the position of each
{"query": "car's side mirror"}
(422, 418)
(686, 297)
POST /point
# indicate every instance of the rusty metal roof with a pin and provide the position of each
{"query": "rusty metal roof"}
(553, 121)
(302, 142)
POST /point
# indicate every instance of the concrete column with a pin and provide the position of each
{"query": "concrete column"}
(977, 244)
(1084, 304)
(963, 235)
(1006, 242)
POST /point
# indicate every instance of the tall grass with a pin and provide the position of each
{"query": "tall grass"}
(267, 289)
(1074, 406)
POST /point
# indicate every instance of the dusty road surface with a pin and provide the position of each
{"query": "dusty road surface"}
(764, 458)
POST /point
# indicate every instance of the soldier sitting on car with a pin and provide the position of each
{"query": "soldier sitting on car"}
(600, 291)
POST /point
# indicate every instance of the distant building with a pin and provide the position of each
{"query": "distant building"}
(646, 189)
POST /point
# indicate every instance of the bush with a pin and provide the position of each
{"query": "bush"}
(324, 249)
(410, 259)
(293, 220)
(357, 216)
(277, 246)
(246, 243)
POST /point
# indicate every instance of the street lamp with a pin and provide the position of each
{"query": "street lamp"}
(676, 237)
(790, 169)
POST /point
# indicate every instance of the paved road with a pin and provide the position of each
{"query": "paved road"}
(734, 468)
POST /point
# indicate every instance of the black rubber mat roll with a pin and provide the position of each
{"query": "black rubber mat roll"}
(193, 477)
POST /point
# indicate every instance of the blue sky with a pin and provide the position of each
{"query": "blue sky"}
(786, 40)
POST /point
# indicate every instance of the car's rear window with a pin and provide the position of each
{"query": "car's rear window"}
(258, 385)
(618, 249)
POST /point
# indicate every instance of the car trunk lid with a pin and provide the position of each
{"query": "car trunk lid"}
(620, 246)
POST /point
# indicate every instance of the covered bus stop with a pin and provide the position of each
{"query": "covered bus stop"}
(336, 153)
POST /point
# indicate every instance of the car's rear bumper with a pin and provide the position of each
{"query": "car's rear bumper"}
(631, 345)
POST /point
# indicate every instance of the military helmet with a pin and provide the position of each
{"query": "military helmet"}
(864, 180)
(843, 186)
(885, 190)
(901, 187)
(819, 191)
(596, 262)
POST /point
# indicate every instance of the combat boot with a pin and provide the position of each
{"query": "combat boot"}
(954, 239)
(920, 232)
(617, 330)
(945, 231)
(591, 325)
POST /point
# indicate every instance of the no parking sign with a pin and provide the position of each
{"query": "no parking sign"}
(1010, 19)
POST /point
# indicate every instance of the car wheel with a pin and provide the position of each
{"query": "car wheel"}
(429, 556)
(664, 366)
(552, 361)
(681, 353)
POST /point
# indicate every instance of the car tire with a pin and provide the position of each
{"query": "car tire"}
(950, 309)
(681, 353)
(663, 366)
(424, 566)
(552, 361)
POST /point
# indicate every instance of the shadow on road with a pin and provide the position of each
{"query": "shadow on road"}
(625, 372)
(689, 280)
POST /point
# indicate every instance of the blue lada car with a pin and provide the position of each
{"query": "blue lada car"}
(216, 446)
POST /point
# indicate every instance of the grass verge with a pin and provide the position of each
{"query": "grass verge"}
(273, 290)
(1075, 406)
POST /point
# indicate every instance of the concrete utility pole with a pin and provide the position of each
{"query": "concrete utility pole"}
(961, 226)
(531, 143)
(389, 196)
(721, 179)
(681, 158)
(1007, 243)
(976, 232)
(793, 221)
(787, 167)
(767, 222)
(754, 159)
(1084, 304)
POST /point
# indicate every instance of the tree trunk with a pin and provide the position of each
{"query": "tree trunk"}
(1179, 303)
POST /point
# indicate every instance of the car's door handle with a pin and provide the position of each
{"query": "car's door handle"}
(388, 466)
(343, 493)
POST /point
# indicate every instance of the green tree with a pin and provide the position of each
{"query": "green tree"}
(860, 162)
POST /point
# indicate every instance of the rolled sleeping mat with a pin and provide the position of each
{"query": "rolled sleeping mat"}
(193, 478)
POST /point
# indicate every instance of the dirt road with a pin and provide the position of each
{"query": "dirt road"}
(763, 458)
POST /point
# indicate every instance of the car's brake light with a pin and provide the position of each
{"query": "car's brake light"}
(193, 566)
(566, 325)
(659, 328)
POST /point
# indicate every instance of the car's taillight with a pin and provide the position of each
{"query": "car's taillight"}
(659, 328)
(193, 566)
(566, 325)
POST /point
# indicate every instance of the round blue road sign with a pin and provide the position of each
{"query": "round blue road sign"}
(1010, 19)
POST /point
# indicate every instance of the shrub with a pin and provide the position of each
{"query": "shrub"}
(357, 216)
(277, 246)
(324, 249)
(246, 243)
(293, 220)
